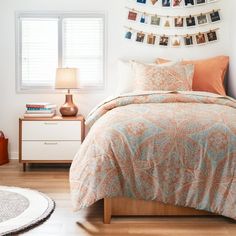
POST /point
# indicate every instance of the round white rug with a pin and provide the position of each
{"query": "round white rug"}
(22, 209)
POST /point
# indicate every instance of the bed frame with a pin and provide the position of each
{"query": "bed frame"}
(121, 206)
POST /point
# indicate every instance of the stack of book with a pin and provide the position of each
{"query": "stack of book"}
(39, 110)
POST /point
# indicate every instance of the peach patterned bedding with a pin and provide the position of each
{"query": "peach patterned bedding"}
(176, 148)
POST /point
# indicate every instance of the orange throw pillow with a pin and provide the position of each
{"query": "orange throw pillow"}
(209, 74)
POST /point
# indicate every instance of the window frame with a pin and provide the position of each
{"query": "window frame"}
(60, 15)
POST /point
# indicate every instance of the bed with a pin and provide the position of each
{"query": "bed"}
(159, 153)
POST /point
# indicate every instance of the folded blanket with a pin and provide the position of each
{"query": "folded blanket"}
(174, 147)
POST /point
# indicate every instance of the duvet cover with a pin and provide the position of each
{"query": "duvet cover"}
(177, 148)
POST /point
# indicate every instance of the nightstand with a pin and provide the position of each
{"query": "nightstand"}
(50, 140)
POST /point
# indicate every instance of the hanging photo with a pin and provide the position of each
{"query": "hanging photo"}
(164, 40)
(132, 15)
(154, 2)
(215, 16)
(143, 19)
(189, 3)
(200, 38)
(151, 39)
(141, 1)
(128, 35)
(198, 2)
(188, 40)
(177, 3)
(166, 3)
(140, 37)
(167, 22)
(179, 21)
(155, 20)
(212, 36)
(202, 19)
(190, 21)
(176, 41)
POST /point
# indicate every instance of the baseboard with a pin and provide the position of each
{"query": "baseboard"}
(13, 155)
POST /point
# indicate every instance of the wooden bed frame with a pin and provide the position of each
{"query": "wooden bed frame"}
(130, 207)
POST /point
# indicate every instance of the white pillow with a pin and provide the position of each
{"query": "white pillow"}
(126, 75)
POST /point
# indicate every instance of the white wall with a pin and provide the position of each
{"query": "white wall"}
(12, 104)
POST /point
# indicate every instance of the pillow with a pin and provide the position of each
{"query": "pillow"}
(153, 77)
(126, 76)
(209, 75)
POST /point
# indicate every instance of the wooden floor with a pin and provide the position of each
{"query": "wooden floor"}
(54, 182)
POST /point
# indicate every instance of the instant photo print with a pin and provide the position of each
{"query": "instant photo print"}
(164, 40)
(151, 39)
(188, 40)
(189, 3)
(128, 35)
(215, 16)
(177, 3)
(176, 41)
(200, 38)
(190, 21)
(198, 2)
(143, 19)
(202, 19)
(142, 1)
(132, 15)
(167, 22)
(212, 36)
(166, 3)
(154, 2)
(179, 22)
(155, 20)
(140, 37)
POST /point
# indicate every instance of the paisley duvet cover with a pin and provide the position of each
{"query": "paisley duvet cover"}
(174, 147)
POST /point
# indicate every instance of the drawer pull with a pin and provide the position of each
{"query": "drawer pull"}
(50, 123)
(50, 143)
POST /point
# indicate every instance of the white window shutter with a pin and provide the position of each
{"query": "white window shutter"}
(39, 51)
(83, 48)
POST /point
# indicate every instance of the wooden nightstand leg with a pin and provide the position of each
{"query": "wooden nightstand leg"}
(24, 167)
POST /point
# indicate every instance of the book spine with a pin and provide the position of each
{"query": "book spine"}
(34, 106)
(38, 109)
(28, 106)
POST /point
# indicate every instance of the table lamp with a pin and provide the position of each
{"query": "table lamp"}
(67, 78)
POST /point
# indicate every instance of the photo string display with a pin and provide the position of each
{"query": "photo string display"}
(178, 21)
(174, 40)
(175, 3)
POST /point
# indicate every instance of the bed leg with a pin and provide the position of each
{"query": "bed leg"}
(107, 211)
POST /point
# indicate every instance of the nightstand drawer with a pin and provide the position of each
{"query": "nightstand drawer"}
(51, 130)
(49, 150)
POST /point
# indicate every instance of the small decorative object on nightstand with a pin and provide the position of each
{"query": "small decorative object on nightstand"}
(50, 140)
(68, 78)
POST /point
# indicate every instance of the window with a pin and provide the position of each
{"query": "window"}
(45, 42)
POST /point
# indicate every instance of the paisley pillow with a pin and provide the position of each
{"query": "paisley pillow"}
(126, 75)
(151, 77)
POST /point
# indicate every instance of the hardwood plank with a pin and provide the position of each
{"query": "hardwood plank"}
(53, 180)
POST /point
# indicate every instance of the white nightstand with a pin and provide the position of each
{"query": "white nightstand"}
(50, 140)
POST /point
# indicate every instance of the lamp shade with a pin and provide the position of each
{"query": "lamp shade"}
(67, 78)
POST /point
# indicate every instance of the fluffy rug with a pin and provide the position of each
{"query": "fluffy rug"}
(22, 209)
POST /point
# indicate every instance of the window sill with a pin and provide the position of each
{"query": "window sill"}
(59, 91)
